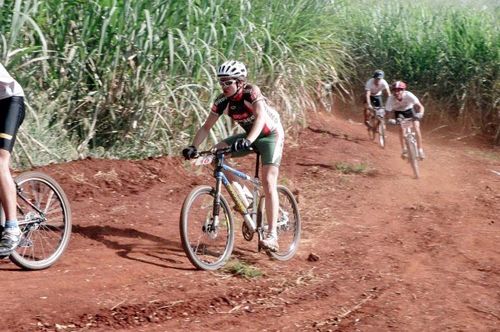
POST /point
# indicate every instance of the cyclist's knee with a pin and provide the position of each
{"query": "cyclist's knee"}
(270, 176)
(4, 159)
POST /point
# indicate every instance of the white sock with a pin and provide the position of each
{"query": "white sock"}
(12, 230)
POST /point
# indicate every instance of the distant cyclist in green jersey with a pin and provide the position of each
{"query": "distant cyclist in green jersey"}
(246, 105)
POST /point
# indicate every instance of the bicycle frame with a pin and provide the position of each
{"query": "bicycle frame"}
(221, 179)
(408, 127)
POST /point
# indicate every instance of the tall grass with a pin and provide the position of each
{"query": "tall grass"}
(447, 52)
(136, 78)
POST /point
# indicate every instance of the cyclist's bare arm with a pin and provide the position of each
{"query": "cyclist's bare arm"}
(203, 132)
(419, 108)
(260, 120)
(368, 102)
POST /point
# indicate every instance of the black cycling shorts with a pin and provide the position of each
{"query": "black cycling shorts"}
(11, 117)
(376, 101)
(406, 114)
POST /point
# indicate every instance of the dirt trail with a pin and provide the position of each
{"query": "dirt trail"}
(395, 254)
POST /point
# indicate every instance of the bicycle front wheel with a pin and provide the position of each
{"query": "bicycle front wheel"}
(44, 217)
(373, 127)
(207, 241)
(288, 224)
(412, 155)
(381, 134)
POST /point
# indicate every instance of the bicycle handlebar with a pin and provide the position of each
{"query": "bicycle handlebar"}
(215, 151)
(401, 119)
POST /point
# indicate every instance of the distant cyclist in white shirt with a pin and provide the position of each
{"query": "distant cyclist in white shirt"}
(11, 117)
(406, 104)
(374, 88)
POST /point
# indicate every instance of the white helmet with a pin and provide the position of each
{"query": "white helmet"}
(232, 68)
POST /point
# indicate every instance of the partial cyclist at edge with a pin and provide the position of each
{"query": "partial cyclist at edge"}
(11, 117)
(246, 105)
(406, 104)
(374, 88)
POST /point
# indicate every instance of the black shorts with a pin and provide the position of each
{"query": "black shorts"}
(376, 101)
(11, 117)
(406, 114)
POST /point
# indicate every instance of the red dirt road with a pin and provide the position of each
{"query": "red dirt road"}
(395, 254)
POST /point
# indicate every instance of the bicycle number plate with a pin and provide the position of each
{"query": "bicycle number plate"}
(380, 112)
(201, 161)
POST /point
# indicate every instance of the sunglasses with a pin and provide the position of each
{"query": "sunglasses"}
(225, 84)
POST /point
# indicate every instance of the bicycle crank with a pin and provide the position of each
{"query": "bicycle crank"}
(247, 232)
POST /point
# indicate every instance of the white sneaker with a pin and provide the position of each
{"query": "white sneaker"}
(270, 242)
(421, 154)
(9, 241)
(404, 154)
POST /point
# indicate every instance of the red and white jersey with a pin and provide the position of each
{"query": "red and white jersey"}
(376, 89)
(9, 86)
(241, 109)
(407, 101)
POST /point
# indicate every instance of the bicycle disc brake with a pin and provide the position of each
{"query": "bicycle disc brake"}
(283, 222)
(210, 228)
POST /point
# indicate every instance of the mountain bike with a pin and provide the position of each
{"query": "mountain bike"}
(44, 217)
(206, 223)
(410, 141)
(377, 125)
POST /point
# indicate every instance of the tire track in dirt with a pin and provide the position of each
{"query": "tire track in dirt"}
(387, 261)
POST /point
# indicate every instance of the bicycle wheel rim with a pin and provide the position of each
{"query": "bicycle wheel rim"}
(372, 129)
(207, 247)
(288, 227)
(45, 236)
(412, 154)
(381, 135)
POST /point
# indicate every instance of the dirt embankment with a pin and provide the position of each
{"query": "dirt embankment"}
(395, 254)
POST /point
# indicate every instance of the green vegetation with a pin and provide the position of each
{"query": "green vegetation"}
(242, 269)
(135, 78)
(348, 168)
(447, 52)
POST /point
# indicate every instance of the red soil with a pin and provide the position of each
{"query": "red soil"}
(395, 253)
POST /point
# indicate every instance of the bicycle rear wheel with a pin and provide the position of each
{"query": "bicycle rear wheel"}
(288, 227)
(44, 217)
(207, 243)
(412, 154)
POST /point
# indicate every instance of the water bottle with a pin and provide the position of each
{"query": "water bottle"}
(241, 193)
(248, 194)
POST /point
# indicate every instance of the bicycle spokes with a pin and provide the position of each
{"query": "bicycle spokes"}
(287, 225)
(44, 218)
(207, 239)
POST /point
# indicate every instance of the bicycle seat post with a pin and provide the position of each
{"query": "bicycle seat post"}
(257, 165)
